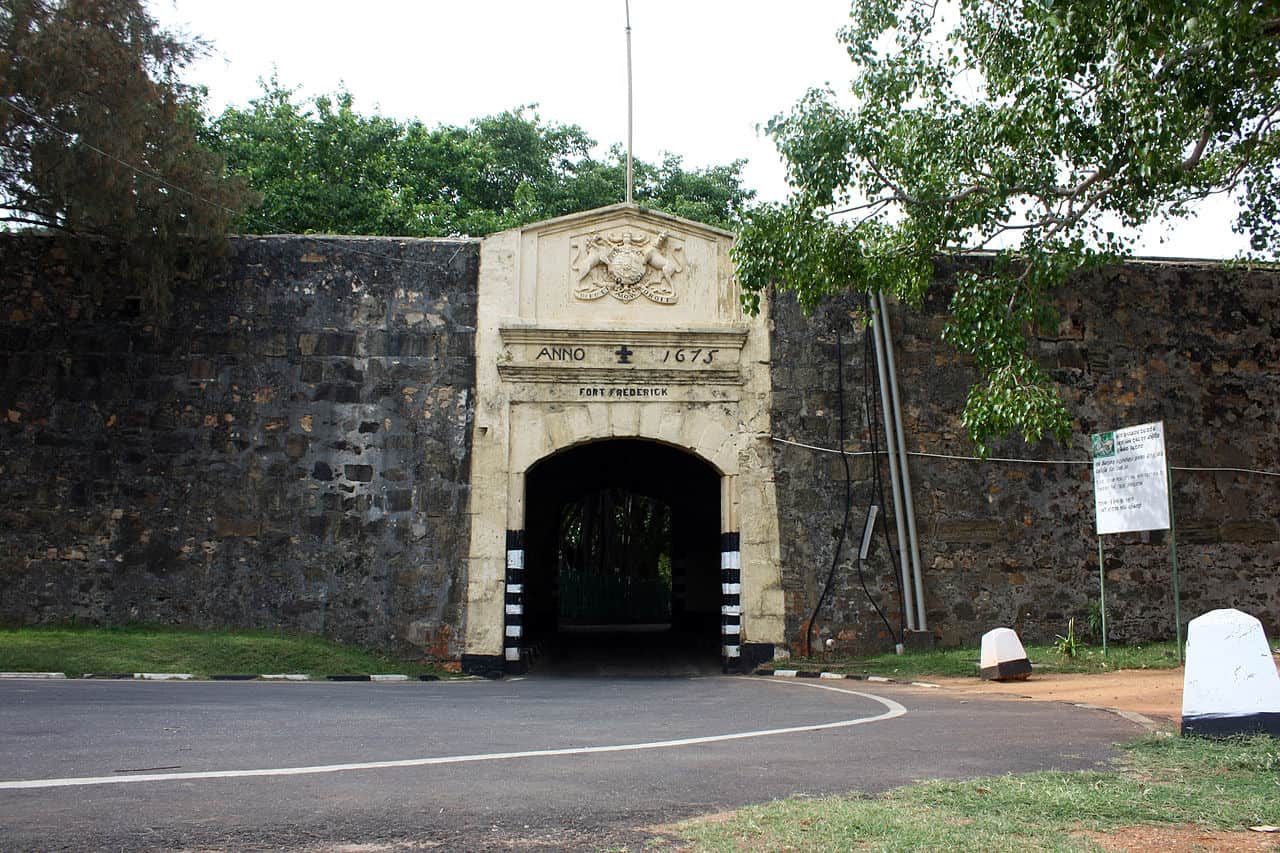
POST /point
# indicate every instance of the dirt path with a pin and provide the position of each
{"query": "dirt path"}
(1154, 693)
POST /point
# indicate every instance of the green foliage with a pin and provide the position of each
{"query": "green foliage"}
(1095, 620)
(323, 167)
(76, 650)
(1031, 127)
(98, 139)
(1066, 644)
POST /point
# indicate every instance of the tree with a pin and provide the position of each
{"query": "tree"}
(99, 138)
(1045, 129)
(323, 167)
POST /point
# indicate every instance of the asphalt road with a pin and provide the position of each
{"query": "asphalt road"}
(564, 763)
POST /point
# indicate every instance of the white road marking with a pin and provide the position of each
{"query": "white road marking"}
(893, 709)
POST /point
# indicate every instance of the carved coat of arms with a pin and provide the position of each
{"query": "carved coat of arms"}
(628, 265)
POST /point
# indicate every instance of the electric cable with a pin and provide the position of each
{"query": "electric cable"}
(848, 501)
(957, 458)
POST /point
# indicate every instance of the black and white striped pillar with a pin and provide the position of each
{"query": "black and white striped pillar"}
(730, 599)
(513, 611)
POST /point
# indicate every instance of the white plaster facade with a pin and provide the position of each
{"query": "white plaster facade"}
(618, 323)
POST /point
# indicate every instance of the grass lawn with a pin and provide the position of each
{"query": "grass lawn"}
(76, 650)
(964, 661)
(1165, 781)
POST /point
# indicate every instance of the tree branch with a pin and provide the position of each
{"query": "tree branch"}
(1193, 159)
(39, 223)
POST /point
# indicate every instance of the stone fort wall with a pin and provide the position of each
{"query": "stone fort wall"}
(290, 449)
(1194, 345)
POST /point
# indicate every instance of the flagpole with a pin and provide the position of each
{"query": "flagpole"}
(630, 178)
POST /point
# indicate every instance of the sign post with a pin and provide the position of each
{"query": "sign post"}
(1131, 494)
(1173, 550)
(1102, 595)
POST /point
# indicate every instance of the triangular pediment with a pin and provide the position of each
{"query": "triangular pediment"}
(604, 217)
(622, 266)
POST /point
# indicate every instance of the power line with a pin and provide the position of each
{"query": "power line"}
(1000, 459)
(146, 173)
(1236, 470)
(1012, 460)
(822, 449)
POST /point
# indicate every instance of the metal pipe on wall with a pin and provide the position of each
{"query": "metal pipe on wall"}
(908, 605)
(908, 502)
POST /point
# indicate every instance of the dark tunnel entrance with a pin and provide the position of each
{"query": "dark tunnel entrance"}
(622, 561)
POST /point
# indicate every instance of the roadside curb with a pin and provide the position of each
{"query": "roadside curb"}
(807, 673)
(379, 677)
(1132, 716)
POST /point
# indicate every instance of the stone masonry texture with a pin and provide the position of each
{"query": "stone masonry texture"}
(288, 449)
(1194, 345)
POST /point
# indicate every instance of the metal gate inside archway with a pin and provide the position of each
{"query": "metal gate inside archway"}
(622, 565)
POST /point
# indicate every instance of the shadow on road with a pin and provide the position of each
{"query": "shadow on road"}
(653, 651)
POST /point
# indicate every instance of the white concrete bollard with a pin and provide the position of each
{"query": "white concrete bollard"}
(1230, 686)
(1003, 657)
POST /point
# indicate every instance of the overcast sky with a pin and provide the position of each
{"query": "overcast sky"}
(706, 72)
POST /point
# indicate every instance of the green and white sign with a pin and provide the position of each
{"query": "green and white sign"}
(1131, 479)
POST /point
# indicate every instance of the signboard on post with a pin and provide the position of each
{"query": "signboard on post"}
(1131, 479)
(1131, 488)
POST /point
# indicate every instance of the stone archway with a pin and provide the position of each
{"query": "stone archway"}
(613, 325)
(622, 559)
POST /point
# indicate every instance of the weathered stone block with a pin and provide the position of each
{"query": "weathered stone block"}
(340, 393)
(311, 371)
(295, 446)
(358, 473)
(233, 527)
(971, 531)
(1251, 531)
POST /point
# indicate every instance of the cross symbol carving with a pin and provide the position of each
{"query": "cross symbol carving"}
(623, 354)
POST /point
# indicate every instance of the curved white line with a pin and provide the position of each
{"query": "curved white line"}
(893, 710)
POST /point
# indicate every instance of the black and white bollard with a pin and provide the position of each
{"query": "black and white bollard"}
(1230, 686)
(1003, 657)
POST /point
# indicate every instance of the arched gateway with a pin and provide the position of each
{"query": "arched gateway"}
(615, 369)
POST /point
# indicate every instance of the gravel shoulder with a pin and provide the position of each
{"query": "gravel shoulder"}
(1154, 693)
